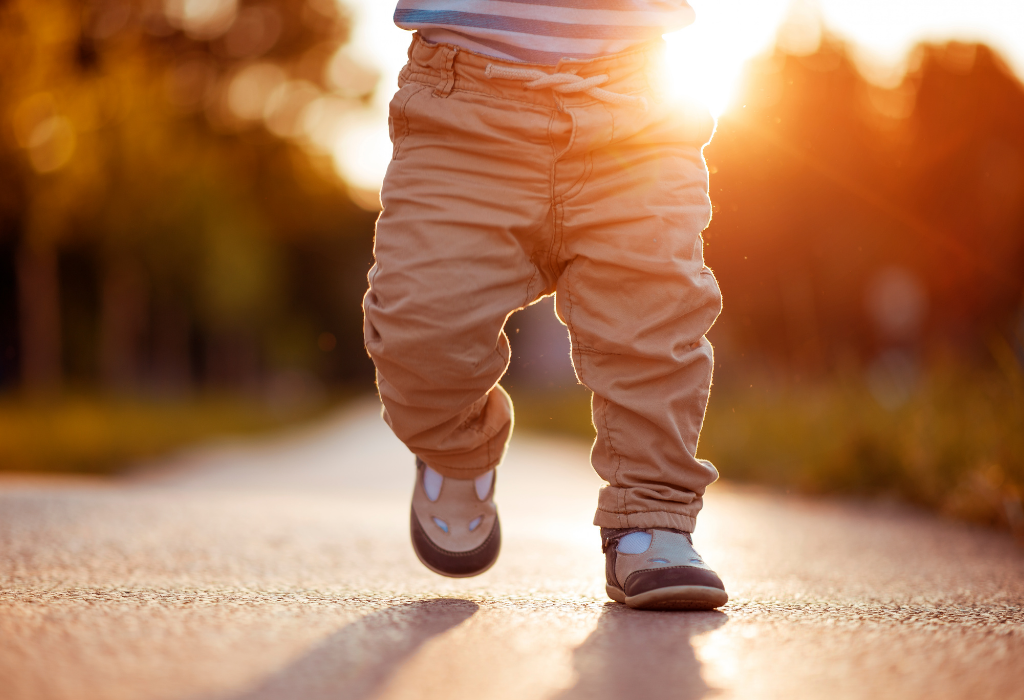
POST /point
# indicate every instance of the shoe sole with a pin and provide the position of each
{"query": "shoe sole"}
(448, 573)
(672, 598)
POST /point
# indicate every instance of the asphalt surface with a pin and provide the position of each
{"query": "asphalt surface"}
(281, 569)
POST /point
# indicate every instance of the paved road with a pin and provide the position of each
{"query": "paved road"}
(282, 570)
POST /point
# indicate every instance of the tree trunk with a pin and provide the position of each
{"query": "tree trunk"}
(172, 361)
(123, 316)
(39, 319)
(233, 361)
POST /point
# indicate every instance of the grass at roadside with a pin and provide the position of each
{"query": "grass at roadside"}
(956, 446)
(95, 434)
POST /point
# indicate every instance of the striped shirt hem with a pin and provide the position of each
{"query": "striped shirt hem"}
(543, 31)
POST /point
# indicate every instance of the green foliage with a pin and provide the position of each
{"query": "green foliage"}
(837, 439)
(565, 411)
(956, 446)
(90, 434)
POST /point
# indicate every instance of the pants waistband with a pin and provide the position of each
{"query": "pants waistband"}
(453, 69)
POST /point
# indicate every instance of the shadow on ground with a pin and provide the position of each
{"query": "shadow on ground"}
(357, 660)
(642, 654)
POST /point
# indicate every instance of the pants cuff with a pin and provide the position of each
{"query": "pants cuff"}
(646, 520)
(461, 472)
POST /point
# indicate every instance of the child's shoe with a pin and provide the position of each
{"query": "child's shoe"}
(454, 523)
(658, 570)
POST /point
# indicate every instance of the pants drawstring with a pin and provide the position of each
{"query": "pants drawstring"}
(564, 83)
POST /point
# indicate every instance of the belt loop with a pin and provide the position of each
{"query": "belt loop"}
(445, 88)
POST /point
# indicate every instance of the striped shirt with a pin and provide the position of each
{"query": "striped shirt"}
(543, 31)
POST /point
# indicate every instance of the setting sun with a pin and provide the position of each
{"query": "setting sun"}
(704, 60)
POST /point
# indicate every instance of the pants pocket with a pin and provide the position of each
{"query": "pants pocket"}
(398, 119)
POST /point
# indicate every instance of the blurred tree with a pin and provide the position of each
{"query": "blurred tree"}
(850, 217)
(174, 142)
(964, 174)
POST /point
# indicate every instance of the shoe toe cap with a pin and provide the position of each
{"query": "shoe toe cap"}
(650, 579)
(455, 564)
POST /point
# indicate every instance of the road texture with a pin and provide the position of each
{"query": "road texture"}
(282, 570)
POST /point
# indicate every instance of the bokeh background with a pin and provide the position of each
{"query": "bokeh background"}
(188, 190)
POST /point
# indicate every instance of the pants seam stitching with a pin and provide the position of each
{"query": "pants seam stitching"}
(406, 129)
(618, 459)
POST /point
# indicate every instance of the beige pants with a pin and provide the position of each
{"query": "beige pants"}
(498, 194)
